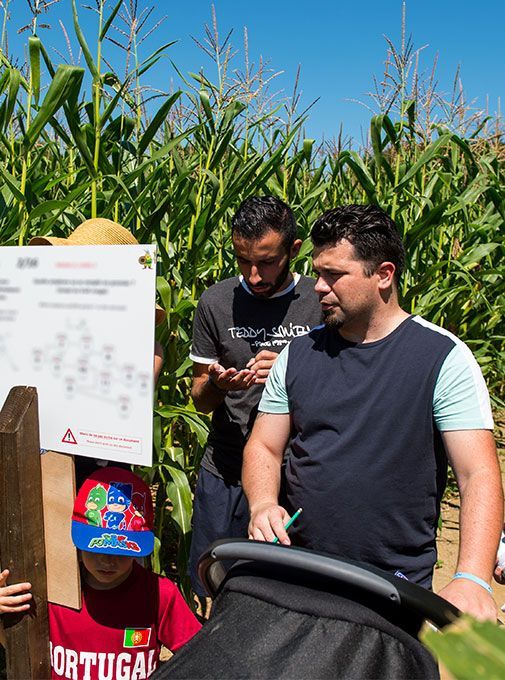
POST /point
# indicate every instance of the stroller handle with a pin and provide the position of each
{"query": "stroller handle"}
(364, 577)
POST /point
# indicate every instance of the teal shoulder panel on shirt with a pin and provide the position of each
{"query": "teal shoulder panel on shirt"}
(275, 398)
(460, 399)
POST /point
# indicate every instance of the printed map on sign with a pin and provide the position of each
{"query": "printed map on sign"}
(78, 324)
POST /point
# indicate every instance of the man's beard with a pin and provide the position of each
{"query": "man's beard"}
(331, 320)
(276, 285)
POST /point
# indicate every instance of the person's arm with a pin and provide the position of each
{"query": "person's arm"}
(211, 381)
(261, 472)
(158, 361)
(472, 455)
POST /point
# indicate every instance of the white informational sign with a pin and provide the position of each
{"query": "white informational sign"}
(77, 323)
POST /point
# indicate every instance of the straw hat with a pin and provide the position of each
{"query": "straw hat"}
(98, 231)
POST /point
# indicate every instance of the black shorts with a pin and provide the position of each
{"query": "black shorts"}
(220, 510)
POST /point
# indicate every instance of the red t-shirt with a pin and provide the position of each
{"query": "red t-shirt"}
(118, 633)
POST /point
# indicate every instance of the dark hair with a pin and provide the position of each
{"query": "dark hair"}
(258, 214)
(369, 229)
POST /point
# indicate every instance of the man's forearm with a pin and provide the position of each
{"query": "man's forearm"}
(481, 521)
(207, 396)
(261, 474)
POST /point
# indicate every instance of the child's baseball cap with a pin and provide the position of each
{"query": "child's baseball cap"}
(113, 514)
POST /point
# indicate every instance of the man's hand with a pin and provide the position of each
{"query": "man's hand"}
(261, 365)
(230, 379)
(471, 599)
(13, 598)
(499, 575)
(267, 522)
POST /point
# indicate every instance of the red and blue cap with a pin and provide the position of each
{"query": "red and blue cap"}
(113, 514)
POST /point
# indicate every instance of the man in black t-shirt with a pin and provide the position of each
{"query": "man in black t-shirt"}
(241, 324)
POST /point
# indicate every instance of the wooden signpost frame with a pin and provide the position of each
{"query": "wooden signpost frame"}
(22, 549)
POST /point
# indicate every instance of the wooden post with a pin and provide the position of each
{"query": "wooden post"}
(22, 533)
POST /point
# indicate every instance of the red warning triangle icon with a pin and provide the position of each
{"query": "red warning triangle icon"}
(68, 437)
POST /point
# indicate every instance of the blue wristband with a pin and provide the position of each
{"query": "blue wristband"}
(475, 579)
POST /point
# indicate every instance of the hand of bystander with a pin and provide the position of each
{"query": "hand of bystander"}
(13, 598)
(230, 379)
(261, 365)
(471, 598)
(267, 522)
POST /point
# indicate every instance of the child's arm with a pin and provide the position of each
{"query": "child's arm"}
(13, 598)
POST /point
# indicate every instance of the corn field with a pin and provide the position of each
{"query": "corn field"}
(80, 141)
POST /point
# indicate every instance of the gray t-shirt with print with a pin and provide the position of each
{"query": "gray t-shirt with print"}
(232, 325)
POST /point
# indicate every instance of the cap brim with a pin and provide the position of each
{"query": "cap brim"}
(48, 241)
(112, 541)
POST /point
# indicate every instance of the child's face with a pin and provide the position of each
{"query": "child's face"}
(106, 571)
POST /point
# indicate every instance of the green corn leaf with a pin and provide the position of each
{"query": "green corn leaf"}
(432, 151)
(375, 136)
(308, 145)
(165, 292)
(355, 162)
(231, 112)
(34, 51)
(84, 45)
(178, 490)
(390, 129)
(65, 84)
(472, 257)
(470, 649)
(194, 421)
(376, 125)
(183, 368)
(109, 21)
(152, 59)
(156, 123)
(205, 102)
(4, 80)
(46, 207)
(47, 60)
(203, 81)
(12, 184)
(14, 82)
(155, 557)
(121, 91)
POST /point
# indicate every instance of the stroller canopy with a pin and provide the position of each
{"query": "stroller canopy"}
(283, 612)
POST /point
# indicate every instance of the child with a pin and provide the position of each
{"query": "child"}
(127, 611)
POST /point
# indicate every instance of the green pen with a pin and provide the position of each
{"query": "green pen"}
(290, 522)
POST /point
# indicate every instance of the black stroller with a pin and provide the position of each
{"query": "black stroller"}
(284, 612)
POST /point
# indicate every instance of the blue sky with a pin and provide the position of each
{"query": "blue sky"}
(340, 46)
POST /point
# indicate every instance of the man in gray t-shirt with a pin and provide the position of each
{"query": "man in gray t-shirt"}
(241, 325)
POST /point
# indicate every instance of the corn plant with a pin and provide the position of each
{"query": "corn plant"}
(470, 649)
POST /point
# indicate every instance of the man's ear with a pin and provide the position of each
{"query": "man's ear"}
(295, 248)
(386, 272)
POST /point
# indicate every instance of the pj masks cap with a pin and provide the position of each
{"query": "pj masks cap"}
(113, 514)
